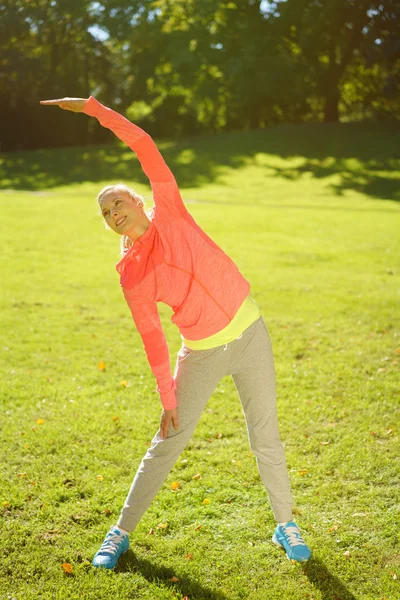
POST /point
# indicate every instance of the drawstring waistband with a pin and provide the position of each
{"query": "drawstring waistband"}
(238, 338)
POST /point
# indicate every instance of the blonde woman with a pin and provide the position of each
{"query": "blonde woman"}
(167, 257)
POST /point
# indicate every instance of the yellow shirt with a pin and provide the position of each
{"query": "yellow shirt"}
(246, 315)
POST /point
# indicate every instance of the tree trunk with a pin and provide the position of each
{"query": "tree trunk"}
(332, 104)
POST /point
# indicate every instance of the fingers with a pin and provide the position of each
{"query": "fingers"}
(164, 424)
(165, 421)
(60, 103)
(52, 101)
(176, 422)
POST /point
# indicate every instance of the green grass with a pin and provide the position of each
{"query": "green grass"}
(310, 215)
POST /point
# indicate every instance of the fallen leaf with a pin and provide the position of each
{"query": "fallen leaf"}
(333, 528)
(115, 418)
(346, 554)
(185, 598)
(40, 422)
(206, 501)
(303, 471)
(151, 532)
(218, 436)
(198, 476)
(21, 475)
(162, 525)
(174, 579)
(100, 477)
(189, 556)
(124, 383)
(324, 443)
(102, 366)
(175, 485)
(198, 527)
(393, 574)
(67, 567)
(5, 503)
(389, 431)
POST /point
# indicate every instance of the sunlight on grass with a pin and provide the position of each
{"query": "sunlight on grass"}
(313, 224)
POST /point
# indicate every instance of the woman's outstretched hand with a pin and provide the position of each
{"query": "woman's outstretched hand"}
(166, 418)
(74, 104)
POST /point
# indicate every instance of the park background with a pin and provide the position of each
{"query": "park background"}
(280, 122)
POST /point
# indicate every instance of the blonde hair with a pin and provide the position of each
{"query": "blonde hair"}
(126, 242)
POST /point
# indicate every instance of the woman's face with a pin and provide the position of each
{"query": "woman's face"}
(119, 210)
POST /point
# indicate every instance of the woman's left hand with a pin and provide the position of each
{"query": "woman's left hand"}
(166, 418)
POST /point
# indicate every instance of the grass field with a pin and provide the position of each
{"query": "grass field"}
(310, 214)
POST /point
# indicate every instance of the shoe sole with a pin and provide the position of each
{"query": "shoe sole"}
(110, 568)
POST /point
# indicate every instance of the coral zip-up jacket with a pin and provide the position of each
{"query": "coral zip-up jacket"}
(174, 262)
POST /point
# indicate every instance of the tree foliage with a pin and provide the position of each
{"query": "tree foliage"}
(185, 66)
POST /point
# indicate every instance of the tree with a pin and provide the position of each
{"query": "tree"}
(330, 36)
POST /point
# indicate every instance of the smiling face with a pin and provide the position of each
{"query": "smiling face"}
(120, 210)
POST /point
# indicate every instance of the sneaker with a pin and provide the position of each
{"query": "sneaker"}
(114, 545)
(288, 537)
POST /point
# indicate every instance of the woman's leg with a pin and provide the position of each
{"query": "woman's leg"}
(197, 374)
(252, 369)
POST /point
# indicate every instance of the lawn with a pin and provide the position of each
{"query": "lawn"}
(310, 214)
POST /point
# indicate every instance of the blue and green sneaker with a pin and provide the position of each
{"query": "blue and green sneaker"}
(288, 537)
(114, 545)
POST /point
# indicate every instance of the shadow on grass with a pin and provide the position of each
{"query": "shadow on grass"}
(331, 587)
(159, 574)
(364, 157)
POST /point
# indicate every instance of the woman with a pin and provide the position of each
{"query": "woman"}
(169, 258)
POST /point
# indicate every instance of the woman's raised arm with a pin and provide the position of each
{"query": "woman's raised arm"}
(166, 193)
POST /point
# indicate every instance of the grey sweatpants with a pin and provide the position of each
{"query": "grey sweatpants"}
(249, 359)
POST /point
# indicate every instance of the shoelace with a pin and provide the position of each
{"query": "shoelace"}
(110, 545)
(293, 535)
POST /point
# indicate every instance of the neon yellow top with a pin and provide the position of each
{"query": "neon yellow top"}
(248, 312)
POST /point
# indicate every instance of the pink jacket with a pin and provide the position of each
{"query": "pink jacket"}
(174, 262)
